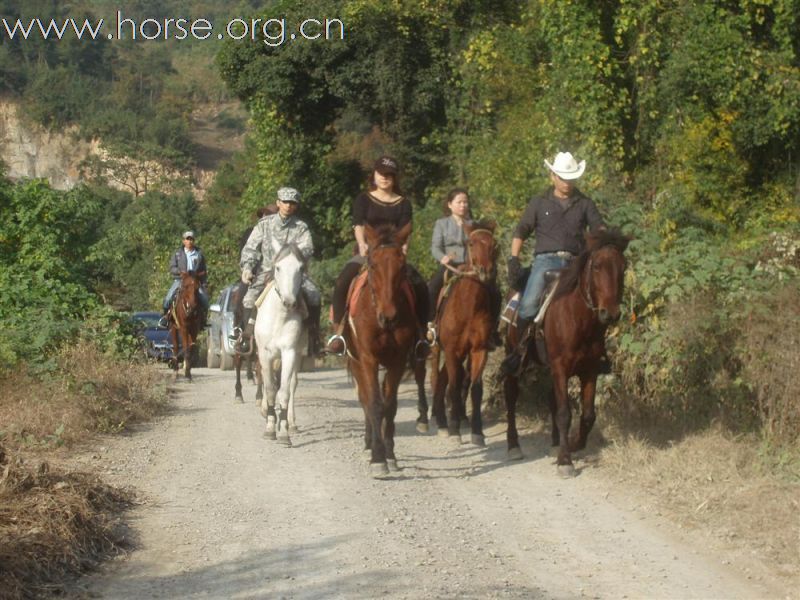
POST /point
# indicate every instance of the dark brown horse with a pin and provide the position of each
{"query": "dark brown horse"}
(381, 331)
(586, 302)
(186, 322)
(253, 370)
(464, 323)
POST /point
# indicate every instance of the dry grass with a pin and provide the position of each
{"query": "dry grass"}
(91, 393)
(717, 482)
(56, 525)
(52, 526)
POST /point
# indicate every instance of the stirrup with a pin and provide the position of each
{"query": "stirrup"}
(164, 321)
(431, 334)
(244, 345)
(332, 339)
(235, 335)
(422, 350)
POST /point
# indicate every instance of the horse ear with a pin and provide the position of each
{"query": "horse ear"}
(276, 246)
(468, 227)
(402, 235)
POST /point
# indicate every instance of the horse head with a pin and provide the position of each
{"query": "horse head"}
(289, 266)
(481, 249)
(386, 270)
(187, 296)
(605, 273)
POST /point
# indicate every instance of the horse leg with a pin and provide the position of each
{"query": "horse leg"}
(237, 364)
(391, 381)
(466, 380)
(250, 374)
(259, 382)
(422, 401)
(438, 401)
(188, 345)
(370, 394)
(173, 334)
(292, 390)
(476, 365)
(588, 416)
(455, 376)
(511, 391)
(563, 418)
(268, 401)
(289, 359)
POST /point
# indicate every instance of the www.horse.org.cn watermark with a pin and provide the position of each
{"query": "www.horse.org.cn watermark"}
(272, 31)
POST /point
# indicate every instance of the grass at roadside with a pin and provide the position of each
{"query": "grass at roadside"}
(55, 524)
(89, 393)
(719, 482)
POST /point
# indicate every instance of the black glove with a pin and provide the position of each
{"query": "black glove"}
(514, 270)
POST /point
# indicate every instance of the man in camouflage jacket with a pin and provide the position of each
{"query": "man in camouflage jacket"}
(258, 256)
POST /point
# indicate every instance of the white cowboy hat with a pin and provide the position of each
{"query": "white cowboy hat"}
(565, 166)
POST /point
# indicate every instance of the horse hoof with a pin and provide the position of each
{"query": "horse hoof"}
(238, 400)
(515, 453)
(566, 471)
(284, 440)
(422, 428)
(442, 432)
(478, 440)
(378, 470)
(391, 464)
(270, 435)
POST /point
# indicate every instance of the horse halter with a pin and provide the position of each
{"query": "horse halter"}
(472, 271)
(372, 294)
(586, 291)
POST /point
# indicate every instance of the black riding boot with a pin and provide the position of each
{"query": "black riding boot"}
(314, 345)
(513, 361)
(245, 344)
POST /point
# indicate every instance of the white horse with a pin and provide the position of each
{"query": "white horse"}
(280, 334)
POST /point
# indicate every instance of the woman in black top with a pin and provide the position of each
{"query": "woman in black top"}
(383, 204)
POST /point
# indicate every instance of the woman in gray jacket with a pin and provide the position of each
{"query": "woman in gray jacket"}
(449, 249)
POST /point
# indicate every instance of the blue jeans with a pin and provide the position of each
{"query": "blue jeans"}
(546, 261)
(173, 289)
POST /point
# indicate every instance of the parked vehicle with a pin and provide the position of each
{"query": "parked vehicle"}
(155, 339)
(220, 326)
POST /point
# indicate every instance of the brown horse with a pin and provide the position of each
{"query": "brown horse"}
(186, 321)
(253, 371)
(464, 323)
(587, 300)
(381, 331)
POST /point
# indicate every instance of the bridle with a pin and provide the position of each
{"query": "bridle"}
(472, 271)
(372, 295)
(586, 291)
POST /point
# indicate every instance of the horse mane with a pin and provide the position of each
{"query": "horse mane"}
(594, 241)
(290, 248)
(386, 233)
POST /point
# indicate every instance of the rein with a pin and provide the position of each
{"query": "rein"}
(586, 291)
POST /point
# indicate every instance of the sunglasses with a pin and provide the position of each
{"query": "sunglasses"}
(189, 238)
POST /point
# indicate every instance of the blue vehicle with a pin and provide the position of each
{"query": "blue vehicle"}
(155, 339)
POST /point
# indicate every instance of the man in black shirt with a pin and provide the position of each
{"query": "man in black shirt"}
(558, 218)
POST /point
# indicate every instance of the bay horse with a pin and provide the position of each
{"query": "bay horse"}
(381, 330)
(586, 301)
(280, 333)
(186, 322)
(464, 326)
(253, 367)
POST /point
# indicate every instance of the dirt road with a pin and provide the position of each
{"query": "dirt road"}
(228, 514)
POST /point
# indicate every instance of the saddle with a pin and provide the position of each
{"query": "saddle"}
(510, 313)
